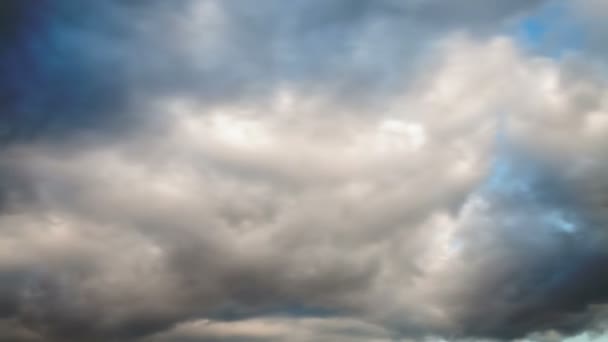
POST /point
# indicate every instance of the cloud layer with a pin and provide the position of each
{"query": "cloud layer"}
(298, 171)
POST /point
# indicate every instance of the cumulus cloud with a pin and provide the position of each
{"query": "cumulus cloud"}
(70, 66)
(300, 171)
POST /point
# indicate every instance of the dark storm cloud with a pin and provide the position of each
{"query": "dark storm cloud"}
(54, 75)
(540, 260)
(69, 65)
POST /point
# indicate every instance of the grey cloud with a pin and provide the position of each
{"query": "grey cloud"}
(540, 265)
(261, 197)
(70, 66)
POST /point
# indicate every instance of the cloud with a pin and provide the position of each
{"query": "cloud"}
(276, 329)
(70, 67)
(289, 173)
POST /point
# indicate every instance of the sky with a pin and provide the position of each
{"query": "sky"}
(303, 170)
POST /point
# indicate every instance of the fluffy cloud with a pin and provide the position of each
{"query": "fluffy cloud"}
(70, 66)
(267, 184)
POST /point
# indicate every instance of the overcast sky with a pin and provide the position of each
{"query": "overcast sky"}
(303, 170)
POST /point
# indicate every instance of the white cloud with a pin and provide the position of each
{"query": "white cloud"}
(241, 208)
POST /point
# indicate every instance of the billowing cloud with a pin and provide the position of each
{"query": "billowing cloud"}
(297, 171)
(69, 65)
